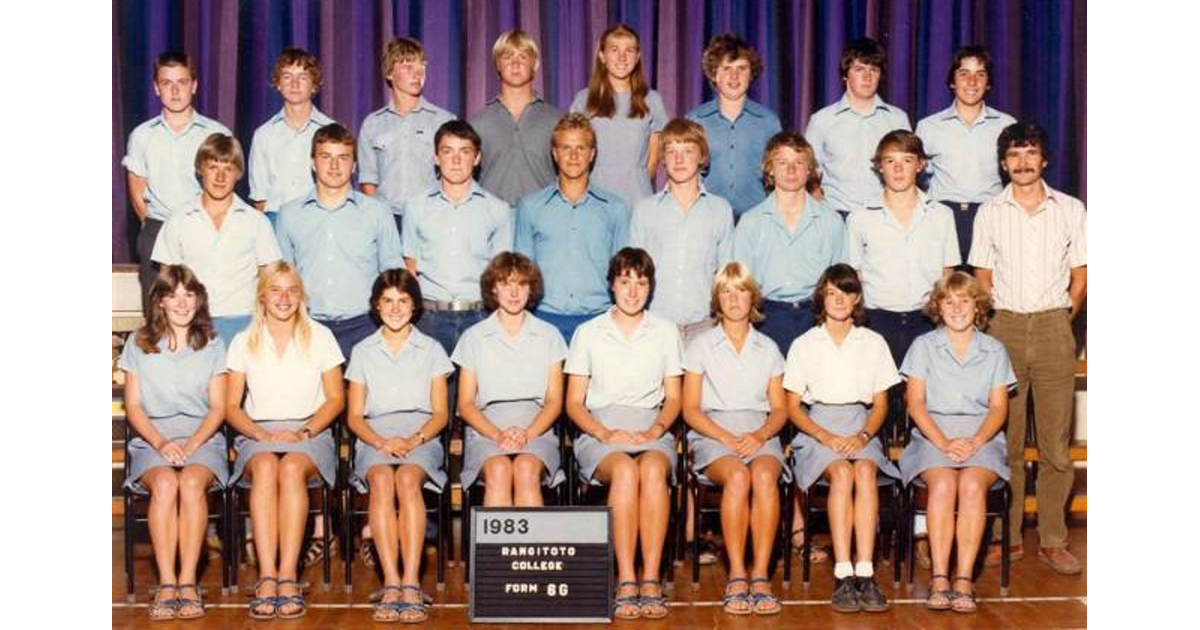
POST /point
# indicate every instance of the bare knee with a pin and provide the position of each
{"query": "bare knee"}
(841, 476)
(971, 490)
(498, 472)
(409, 479)
(764, 476)
(264, 469)
(737, 481)
(193, 483)
(163, 484)
(653, 469)
(527, 471)
(624, 478)
(293, 471)
(379, 479)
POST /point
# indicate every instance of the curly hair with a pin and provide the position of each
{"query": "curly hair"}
(505, 266)
(959, 282)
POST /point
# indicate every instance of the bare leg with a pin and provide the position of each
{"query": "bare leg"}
(163, 519)
(620, 472)
(764, 511)
(382, 519)
(734, 479)
(655, 509)
(411, 522)
(263, 470)
(295, 469)
(527, 480)
(973, 484)
(943, 491)
(840, 507)
(866, 508)
(497, 481)
(193, 518)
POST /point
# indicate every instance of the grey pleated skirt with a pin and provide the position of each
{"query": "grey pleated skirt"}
(142, 457)
(520, 413)
(428, 456)
(589, 451)
(319, 449)
(921, 455)
(812, 458)
(706, 450)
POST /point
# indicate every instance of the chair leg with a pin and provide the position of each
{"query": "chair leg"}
(808, 536)
(445, 535)
(465, 535)
(235, 539)
(1005, 540)
(348, 550)
(895, 529)
(785, 534)
(697, 494)
(910, 528)
(226, 543)
(130, 596)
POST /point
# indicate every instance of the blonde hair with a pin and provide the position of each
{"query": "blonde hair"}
(301, 326)
(400, 50)
(517, 40)
(600, 100)
(735, 275)
(683, 130)
(959, 282)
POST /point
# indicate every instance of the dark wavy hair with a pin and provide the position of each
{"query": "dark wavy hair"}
(504, 266)
(865, 50)
(404, 281)
(200, 330)
(633, 259)
(845, 278)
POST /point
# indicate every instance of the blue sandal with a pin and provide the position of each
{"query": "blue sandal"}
(737, 603)
(652, 606)
(420, 613)
(764, 603)
(626, 603)
(166, 608)
(194, 607)
(296, 600)
(264, 607)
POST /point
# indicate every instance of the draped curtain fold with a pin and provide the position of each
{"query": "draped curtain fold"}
(1038, 47)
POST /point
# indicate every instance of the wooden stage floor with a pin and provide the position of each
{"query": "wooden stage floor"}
(1038, 598)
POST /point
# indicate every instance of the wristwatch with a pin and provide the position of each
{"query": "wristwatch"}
(866, 437)
(306, 432)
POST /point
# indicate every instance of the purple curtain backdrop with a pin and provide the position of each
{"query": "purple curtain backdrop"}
(1039, 48)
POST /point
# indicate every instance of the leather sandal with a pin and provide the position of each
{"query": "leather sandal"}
(765, 603)
(386, 612)
(737, 602)
(626, 606)
(264, 607)
(411, 612)
(652, 606)
(939, 599)
(296, 601)
(186, 607)
(163, 608)
(964, 602)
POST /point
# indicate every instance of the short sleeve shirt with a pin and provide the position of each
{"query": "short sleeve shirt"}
(280, 159)
(687, 247)
(788, 264)
(167, 161)
(339, 252)
(1030, 254)
(820, 371)
(900, 264)
(287, 387)
(962, 157)
(507, 368)
(627, 372)
(172, 384)
(516, 153)
(395, 152)
(956, 386)
(733, 381)
(623, 144)
(735, 151)
(226, 260)
(400, 381)
(453, 244)
(845, 141)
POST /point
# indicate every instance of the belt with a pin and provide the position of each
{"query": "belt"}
(453, 305)
(961, 206)
(797, 305)
(1053, 312)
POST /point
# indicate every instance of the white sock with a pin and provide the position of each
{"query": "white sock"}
(864, 569)
(919, 526)
(843, 570)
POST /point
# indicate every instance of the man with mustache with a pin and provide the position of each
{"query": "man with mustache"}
(1029, 250)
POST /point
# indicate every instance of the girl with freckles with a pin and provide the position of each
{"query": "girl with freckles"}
(958, 383)
(397, 407)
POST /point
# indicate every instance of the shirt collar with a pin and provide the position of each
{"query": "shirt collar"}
(491, 327)
(315, 117)
(754, 338)
(476, 191)
(607, 324)
(843, 104)
(196, 121)
(951, 113)
(238, 206)
(1052, 197)
(980, 343)
(856, 333)
(922, 209)
(537, 98)
(812, 209)
(597, 193)
(665, 193)
(311, 198)
(422, 105)
(417, 340)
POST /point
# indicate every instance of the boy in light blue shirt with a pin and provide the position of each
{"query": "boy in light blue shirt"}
(280, 162)
(395, 143)
(160, 159)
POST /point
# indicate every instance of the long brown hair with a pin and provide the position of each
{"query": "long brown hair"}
(600, 100)
(200, 330)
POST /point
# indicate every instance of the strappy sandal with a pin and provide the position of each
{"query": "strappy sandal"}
(316, 550)
(816, 553)
(939, 599)
(264, 607)
(297, 601)
(652, 606)
(737, 602)
(964, 602)
(387, 612)
(186, 607)
(163, 608)
(366, 552)
(626, 606)
(411, 612)
(764, 603)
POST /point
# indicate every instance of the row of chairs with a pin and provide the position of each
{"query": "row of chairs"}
(345, 505)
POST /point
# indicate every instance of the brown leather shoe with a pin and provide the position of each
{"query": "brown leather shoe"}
(992, 559)
(1060, 560)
